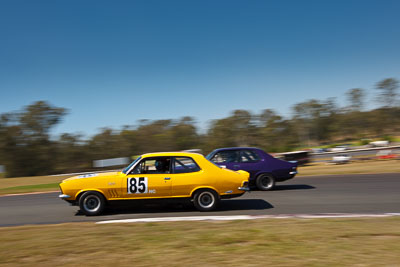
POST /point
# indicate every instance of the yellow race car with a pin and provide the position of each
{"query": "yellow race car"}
(166, 175)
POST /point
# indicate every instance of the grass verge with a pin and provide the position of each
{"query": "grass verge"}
(357, 167)
(30, 184)
(278, 242)
(29, 188)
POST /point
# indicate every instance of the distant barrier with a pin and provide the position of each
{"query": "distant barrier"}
(110, 162)
(102, 163)
(362, 153)
(355, 150)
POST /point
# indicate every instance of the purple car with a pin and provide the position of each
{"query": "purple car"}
(264, 169)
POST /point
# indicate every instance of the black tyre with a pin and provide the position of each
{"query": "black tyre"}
(92, 203)
(265, 182)
(206, 200)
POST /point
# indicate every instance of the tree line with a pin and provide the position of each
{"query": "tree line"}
(28, 149)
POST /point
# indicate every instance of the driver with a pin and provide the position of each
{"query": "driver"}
(162, 165)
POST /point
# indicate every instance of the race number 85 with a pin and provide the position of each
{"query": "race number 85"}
(137, 185)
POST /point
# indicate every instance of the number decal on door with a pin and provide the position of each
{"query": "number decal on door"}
(137, 185)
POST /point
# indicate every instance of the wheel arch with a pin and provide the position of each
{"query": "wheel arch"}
(199, 188)
(263, 173)
(81, 192)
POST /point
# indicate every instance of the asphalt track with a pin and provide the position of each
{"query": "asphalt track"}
(367, 194)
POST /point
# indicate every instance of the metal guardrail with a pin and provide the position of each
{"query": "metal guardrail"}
(363, 153)
(111, 162)
(81, 173)
(355, 150)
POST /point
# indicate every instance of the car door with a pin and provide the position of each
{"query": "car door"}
(186, 176)
(147, 181)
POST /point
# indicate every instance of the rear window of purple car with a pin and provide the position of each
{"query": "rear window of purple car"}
(249, 156)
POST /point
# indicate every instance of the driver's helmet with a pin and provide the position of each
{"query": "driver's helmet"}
(160, 165)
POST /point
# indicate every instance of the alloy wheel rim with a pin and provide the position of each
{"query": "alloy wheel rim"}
(92, 203)
(206, 200)
(266, 182)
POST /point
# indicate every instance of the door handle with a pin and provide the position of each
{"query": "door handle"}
(167, 178)
(236, 166)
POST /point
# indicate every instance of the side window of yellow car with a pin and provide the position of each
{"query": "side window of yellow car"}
(156, 165)
(184, 165)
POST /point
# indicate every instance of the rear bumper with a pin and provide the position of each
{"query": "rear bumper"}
(244, 188)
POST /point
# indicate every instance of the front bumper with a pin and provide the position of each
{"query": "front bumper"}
(67, 198)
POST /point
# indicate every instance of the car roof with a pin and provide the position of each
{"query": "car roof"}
(237, 148)
(172, 154)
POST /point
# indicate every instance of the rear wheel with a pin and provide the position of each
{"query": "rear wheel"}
(265, 182)
(206, 200)
(92, 203)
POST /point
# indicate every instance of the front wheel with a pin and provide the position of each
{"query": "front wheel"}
(92, 203)
(206, 200)
(265, 182)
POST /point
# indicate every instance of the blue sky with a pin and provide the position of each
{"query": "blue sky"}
(112, 63)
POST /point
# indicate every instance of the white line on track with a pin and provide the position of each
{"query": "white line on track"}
(249, 217)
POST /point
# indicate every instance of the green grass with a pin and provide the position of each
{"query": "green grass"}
(30, 188)
(356, 167)
(30, 184)
(276, 242)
